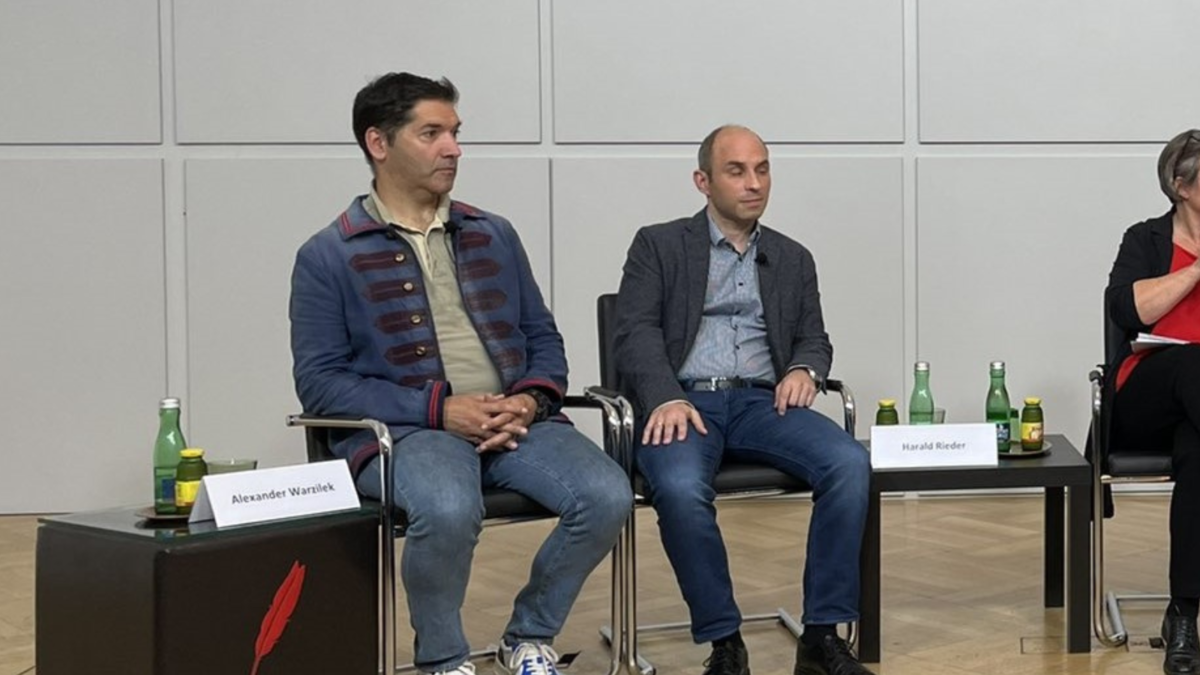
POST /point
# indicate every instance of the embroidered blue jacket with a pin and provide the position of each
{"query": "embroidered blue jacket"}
(364, 343)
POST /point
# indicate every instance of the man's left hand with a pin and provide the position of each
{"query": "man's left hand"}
(511, 423)
(797, 390)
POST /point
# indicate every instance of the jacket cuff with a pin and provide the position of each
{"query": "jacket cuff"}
(548, 387)
(816, 377)
(667, 403)
(360, 457)
(439, 390)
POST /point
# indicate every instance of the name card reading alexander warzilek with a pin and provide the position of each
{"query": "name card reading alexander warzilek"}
(275, 494)
(933, 445)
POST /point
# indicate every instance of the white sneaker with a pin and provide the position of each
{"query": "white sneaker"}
(467, 668)
(527, 658)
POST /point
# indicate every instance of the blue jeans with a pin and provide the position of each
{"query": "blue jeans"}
(439, 481)
(744, 426)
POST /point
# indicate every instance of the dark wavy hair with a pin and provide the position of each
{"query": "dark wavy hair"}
(387, 102)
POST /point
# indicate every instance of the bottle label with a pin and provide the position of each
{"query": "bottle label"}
(185, 492)
(1031, 432)
(1002, 437)
(168, 488)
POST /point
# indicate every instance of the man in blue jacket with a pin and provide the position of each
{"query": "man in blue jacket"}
(423, 313)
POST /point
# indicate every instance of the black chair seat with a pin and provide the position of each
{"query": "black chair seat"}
(736, 477)
(498, 504)
(1126, 464)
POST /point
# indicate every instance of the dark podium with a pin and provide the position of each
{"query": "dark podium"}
(117, 596)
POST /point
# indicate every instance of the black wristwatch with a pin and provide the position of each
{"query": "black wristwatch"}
(544, 404)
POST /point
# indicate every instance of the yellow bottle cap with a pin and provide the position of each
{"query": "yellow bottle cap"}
(1033, 400)
(191, 453)
(887, 403)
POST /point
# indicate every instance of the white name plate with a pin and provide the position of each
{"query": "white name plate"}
(910, 446)
(274, 494)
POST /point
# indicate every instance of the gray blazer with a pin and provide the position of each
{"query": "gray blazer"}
(661, 301)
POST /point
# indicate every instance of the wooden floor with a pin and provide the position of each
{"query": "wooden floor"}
(961, 589)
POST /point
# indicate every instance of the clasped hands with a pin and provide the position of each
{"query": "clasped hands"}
(669, 422)
(490, 421)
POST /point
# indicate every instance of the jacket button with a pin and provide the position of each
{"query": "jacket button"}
(408, 285)
(400, 257)
(421, 351)
(416, 318)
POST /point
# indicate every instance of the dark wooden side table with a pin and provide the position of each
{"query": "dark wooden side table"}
(114, 595)
(1062, 468)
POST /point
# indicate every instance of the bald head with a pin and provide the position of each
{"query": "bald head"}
(735, 175)
(705, 155)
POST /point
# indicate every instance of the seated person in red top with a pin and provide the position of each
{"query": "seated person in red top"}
(1153, 288)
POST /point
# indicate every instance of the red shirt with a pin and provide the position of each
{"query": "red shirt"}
(1182, 322)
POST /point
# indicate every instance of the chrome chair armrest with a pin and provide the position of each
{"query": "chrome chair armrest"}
(387, 521)
(849, 407)
(1096, 377)
(618, 424)
(382, 434)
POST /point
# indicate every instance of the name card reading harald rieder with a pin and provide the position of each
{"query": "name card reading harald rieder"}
(275, 494)
(933, 445)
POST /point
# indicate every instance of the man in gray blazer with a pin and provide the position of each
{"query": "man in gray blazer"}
(721, 343)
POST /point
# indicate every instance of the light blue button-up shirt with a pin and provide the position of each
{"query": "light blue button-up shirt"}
(732, 340)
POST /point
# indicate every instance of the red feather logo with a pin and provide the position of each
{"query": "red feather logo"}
(278, 613)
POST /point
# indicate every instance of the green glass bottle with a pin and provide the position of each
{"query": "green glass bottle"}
(997, 408)
(167, 447)
(920, 405)
(887, 415)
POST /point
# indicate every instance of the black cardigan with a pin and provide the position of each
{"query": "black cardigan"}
(1145, 253)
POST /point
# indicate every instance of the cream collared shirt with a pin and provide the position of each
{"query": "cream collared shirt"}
(468, 367)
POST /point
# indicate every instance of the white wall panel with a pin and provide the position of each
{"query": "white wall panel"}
(79, 71)
(1013, 255)
(629, 71)
(287, 72)
(246, 219)
(82, 353)
(817, 201)
(1055, 70)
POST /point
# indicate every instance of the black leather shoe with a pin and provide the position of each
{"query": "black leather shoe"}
(831, 656)
(728, 659)
(1183, 647)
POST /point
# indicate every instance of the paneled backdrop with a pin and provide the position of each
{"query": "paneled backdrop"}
(962, 171)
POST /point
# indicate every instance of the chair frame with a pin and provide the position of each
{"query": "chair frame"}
(624, 638)
(614, 408)
(1107, 604)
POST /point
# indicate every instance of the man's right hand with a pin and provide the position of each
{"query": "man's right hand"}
(479, 418)
(669, 422)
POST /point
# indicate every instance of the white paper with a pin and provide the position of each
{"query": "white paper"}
(907, 446)
(1145, 341)
(274, 494)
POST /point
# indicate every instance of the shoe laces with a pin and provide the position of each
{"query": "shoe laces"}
(1185, 635)
(467, 668)
(529, 658)
(840, 660)
(724, 659)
